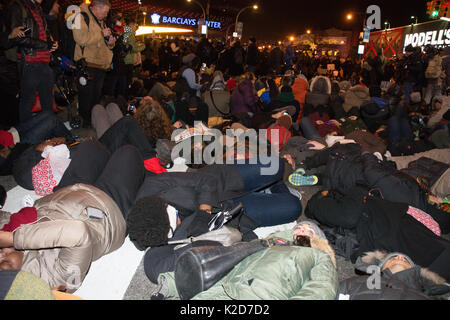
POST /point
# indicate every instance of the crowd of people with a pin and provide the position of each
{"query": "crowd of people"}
(362, 156)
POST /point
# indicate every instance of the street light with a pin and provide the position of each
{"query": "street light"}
(308, 31)
(414, 18)
(254, 7)
(349, 16)
(204, 13)
(387, 23)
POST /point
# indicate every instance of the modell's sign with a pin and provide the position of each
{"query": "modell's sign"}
(436, 34)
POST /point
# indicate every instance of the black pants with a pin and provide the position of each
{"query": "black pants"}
(127, 131)
(35, 77)
(90, 94)
(122, 177)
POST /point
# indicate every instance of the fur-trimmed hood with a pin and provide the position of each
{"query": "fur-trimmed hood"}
(323, 245)
(377, 256)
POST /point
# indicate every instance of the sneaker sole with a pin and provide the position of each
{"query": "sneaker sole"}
(301, 180)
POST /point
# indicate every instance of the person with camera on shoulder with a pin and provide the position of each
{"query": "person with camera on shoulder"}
(32, 52)
(93, 53)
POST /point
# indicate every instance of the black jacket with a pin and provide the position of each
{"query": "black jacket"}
(29, 44)
(416, 283)
(187, 190)
(379, 225)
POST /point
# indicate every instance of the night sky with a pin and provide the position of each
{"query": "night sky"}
(276, 19)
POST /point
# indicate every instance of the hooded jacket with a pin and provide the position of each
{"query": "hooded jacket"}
(96, 52)
(219, 92)
(356, 97)
(137, 46)
(416, 283)
(278, 273)
(61, 245)
(244, 99)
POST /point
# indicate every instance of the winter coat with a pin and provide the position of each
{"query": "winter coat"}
(88, 160)
(219, 92)
(325, 128)
(278, 273)
(416, 283)
(27, 46)
(355, 97)
(320, 90)
(96, 52)
(446, 66)
(368, 141)
(299, 89)
(62, 244)
(244, 98)
(187, 190)
(379, 224)
(130, 39)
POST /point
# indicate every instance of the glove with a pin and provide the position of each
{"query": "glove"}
(199, 224)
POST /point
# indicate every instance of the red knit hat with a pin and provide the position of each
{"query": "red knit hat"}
(26, 215)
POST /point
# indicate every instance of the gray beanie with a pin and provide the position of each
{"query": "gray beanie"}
(315, 227)
(392, 255)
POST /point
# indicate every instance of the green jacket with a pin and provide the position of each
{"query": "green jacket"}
(137, 46)
(278, 273)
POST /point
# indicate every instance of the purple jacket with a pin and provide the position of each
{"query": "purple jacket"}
(244, 98)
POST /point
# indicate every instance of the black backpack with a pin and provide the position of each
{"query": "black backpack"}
(67, 43)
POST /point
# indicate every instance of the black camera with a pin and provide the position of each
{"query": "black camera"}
(81, 72)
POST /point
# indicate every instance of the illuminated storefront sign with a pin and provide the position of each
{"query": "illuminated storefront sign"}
(158, 19)
(435, 34)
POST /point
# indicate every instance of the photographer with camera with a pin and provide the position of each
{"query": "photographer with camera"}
(93, 55)
(33, 55)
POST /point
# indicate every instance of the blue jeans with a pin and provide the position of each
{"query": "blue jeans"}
(398, 129)
(278, 207)
(407, 89)
(44, 125)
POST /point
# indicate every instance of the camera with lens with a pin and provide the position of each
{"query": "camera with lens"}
(82, 74)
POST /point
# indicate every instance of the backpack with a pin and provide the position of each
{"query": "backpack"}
(67, 42)
(238, 56)
(434, 68)
(11, 54)
(343, 241)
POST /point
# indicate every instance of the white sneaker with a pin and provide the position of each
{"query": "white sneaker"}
(295, 193)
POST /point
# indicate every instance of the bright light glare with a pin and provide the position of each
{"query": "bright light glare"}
(142, 30)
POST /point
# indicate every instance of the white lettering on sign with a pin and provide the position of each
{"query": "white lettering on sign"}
(156, 19)
(438, 38)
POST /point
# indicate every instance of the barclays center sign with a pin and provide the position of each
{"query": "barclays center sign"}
(160, 19)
